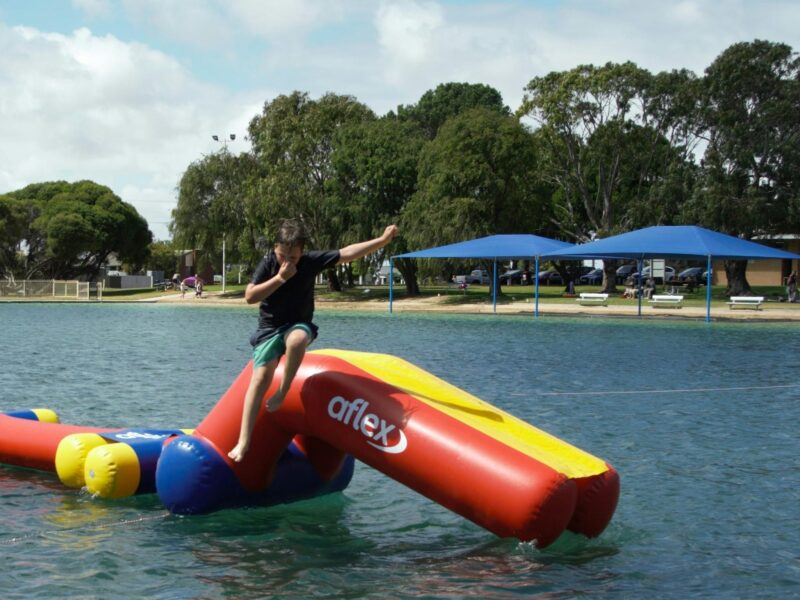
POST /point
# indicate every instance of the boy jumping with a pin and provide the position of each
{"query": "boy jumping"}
(284, 285)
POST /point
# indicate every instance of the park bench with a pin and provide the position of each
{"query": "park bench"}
(589, 299)
(667, 301)
(753, 302)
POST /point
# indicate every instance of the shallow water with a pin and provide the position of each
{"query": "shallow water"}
(699, 419)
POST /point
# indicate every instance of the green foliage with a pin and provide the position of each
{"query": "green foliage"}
(218, 196)
(293, 139)
(610, 133)
(750, 170)
(69, 229)
(476, 178)
(13, 231)
(163, 257)
(449, 100)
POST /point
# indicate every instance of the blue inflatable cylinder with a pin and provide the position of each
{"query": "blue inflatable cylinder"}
(44, 415)
(192, 478)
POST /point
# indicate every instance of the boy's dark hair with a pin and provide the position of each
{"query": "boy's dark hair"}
(291, 234)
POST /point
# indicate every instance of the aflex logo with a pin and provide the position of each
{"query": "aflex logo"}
(132, 435)
(370, 425)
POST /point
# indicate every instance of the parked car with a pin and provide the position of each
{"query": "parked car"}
(478, 276)
(625, 271)
(593, 277)
(550, 277)
(669, 275)
(515, 277)
(698, 273)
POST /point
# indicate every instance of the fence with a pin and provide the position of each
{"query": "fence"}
(32, 288)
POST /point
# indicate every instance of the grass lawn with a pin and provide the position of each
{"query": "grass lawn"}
(474, 294)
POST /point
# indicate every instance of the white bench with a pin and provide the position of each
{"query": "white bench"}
(667, 300)
(753, 302)
(588, 299)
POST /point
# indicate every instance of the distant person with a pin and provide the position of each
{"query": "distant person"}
(176, 281)
(791, 287)
(198, 287)
(630, 289)
(183, 288)
(649, 288)
(283, 283)
(691, 283)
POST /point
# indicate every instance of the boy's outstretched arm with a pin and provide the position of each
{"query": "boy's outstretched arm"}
(361, 249)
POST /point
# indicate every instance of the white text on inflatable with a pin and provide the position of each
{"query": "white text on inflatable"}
(132, 435)
(371, 426)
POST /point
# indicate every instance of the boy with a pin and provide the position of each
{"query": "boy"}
(284, 284)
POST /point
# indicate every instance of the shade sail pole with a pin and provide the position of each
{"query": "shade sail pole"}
(536, 289)
(494, 286)
(640, 263)
(708, 289)
(391, 283)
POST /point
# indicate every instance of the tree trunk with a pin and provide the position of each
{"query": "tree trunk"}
(334, 285)
(609, 277)
(408, 268)
(736, 270)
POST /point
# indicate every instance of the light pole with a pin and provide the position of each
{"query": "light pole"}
(224, 142)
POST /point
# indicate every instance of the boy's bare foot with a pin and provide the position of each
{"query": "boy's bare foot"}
(238, 452)
(274, 403)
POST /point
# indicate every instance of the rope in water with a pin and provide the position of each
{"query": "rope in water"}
(113, 524)
(672, 391)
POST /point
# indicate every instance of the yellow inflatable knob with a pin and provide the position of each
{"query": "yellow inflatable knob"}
(112, 471)
(45, 415)
(71, 457)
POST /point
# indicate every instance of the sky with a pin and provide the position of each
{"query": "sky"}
(127, 93)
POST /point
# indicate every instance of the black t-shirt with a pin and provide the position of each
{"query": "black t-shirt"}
(292, 302)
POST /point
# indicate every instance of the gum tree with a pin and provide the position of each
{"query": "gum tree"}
(751, 114)
(376, 165)
(609, 134)
(293, 140)
(477, 178)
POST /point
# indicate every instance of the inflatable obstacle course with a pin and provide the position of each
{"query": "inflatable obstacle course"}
(469, 456)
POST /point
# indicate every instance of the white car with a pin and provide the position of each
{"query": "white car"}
(479, 277)
(669, 275)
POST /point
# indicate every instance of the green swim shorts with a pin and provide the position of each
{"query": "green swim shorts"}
(275, 346)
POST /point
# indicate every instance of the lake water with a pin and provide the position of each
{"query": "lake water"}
(701, 421)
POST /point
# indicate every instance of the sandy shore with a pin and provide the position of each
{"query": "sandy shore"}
(771, 311)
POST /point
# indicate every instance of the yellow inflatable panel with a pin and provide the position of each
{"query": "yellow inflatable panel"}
(482, 416)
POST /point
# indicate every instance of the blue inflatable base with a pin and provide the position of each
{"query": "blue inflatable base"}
(192, 478)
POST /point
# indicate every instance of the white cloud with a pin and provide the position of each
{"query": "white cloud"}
(506, 44)
(198, 23)
(81, 106)
(93, 8)
(77, 105)
(408, 31)
(278, 18)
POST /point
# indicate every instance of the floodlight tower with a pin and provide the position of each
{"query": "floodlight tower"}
(224, 141)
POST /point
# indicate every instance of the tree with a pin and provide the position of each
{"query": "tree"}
(449, 100)
(75, 226)
(609, 134)
(163, 258)
(375, 164)
(293, 139)
(218, 198)
(13, 227)
(478, 177)
(751, 113)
